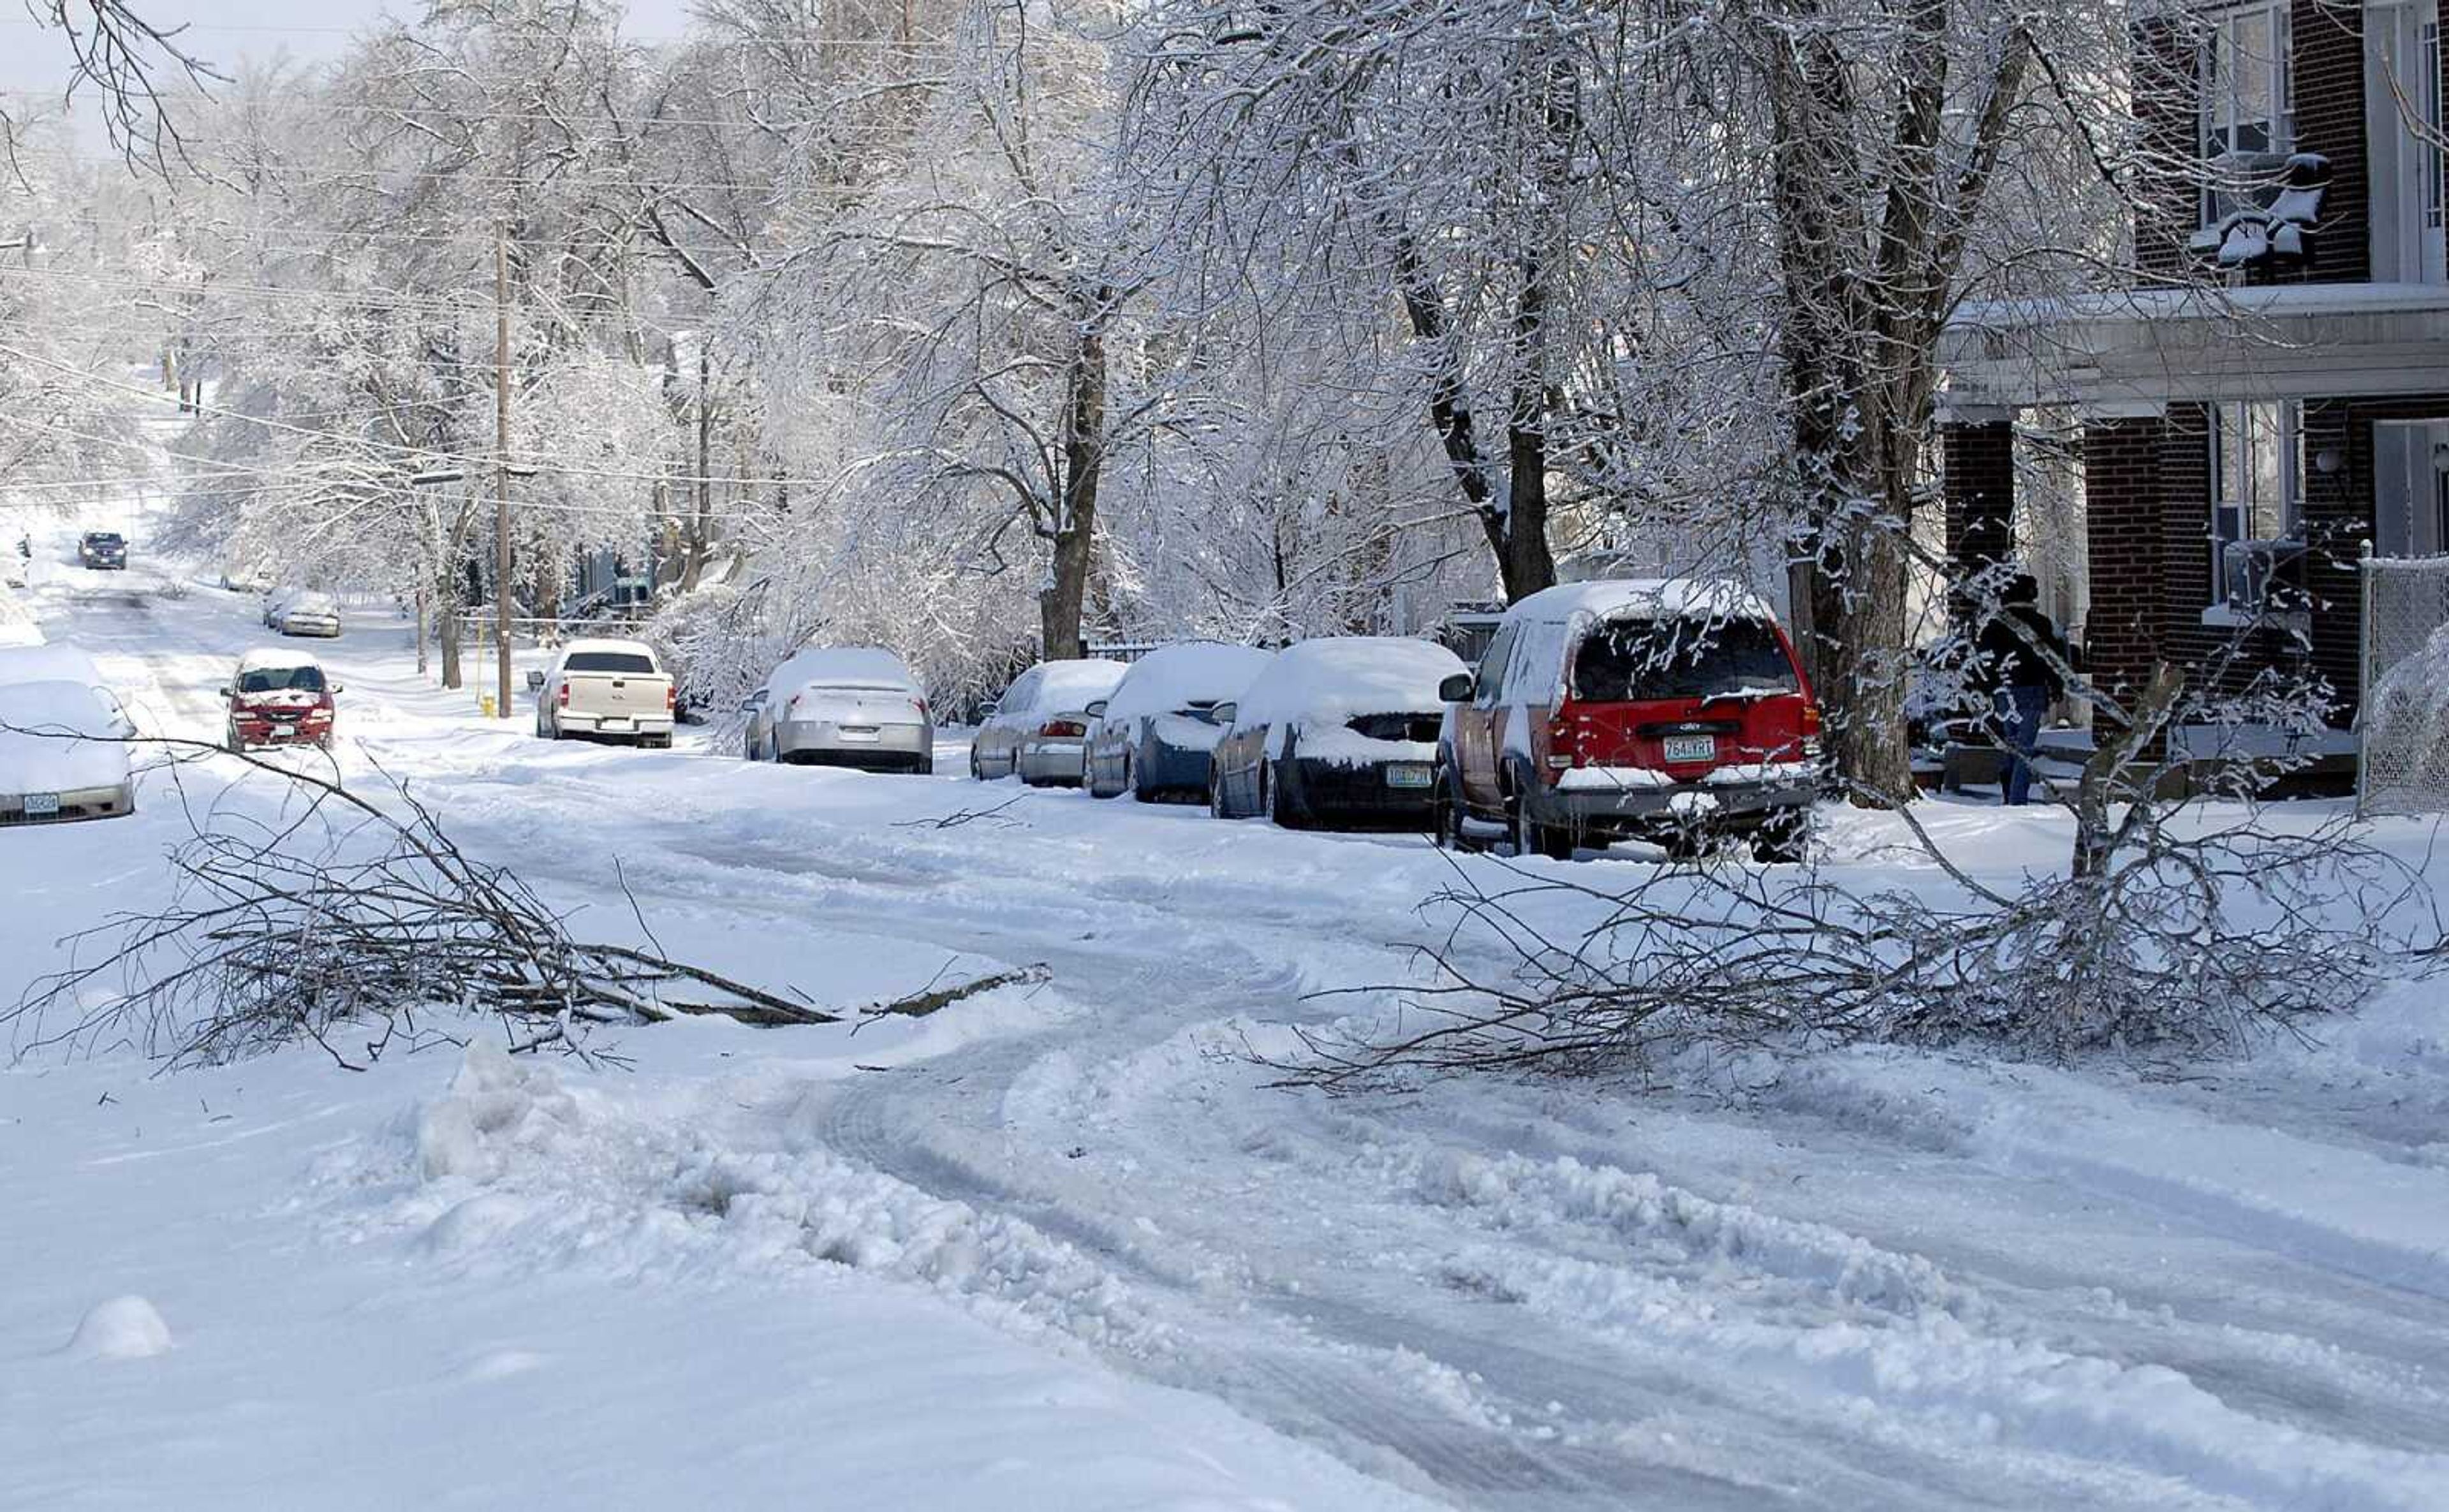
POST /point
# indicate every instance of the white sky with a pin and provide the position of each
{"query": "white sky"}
(34, 60)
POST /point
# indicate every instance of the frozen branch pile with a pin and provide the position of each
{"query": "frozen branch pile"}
(338, 917)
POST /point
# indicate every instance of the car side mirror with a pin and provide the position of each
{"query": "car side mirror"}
(225, 692)
(1458, 688)
(1096, 710)
(338, 688)
(1222, 714)
(536, 681)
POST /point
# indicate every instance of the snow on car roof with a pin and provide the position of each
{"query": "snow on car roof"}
(1072, 685)
(53, 663)
(1639, 598)
(39, 752)
(606, 643)
(263, 657)
(842, 666)
(1338, 677)
(1174, 675)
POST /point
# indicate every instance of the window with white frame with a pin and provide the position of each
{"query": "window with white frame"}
(2249, 108)
(2257, 499)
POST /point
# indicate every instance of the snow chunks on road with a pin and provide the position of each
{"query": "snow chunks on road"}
(510, 1169)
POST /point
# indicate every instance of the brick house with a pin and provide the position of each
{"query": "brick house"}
(2273, 392)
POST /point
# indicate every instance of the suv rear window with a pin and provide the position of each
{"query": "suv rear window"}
(103, 538)
(610, 662)
(1633, 659)
(281, 679)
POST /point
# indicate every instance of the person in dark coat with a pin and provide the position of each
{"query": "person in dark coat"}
(2016, 656)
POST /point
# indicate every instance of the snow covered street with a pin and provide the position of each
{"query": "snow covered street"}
(1066, 1246)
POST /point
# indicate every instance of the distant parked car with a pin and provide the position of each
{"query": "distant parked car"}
(605, 688)
(280, 698)
(1040, 727)
(851, 706)
(1153, 735)
(104, 550)
(1336, 731)
(302, 611)
(1652, 708)
(63, 754)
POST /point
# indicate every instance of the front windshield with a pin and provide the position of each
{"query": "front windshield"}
(1633, 659)
(281, 679)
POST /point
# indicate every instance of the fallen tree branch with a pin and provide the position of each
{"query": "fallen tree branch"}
(919, 1004)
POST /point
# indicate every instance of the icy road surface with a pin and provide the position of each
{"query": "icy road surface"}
(1065, 1247)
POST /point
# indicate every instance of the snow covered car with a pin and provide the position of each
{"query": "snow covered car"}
(56, 661)
(1153, 737)
(1661, 709)
(600, 687)
(1336, 731)
(280, 698)
(850, 706)
(303, 612)
(1040, 727)
(103, 550)
(62, 754)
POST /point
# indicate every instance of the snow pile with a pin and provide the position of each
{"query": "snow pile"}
(509, 1168)
(125, 1327)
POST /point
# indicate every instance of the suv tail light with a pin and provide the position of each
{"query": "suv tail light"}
(1564, 743)
(1811, 726)
(672, 698)
(1058, 729)
(921, 705)
(563, 698)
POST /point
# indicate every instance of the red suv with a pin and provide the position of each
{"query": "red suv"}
(280, 697)
(1654, 709)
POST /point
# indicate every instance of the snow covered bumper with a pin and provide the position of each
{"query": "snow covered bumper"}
(1639, 800)
(876, 745)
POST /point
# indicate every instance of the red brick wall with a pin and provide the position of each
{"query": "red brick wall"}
(1978, 462)
(2167, 200)
(2124, 519)
(2326, 61)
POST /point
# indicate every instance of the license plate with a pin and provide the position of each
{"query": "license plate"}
(42, 804)
(1408, 775)
(849, 733)
(1691, 748)
(614, 721)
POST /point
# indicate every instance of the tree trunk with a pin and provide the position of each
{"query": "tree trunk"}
(694, 566)
(1076, 521)
(447, 605)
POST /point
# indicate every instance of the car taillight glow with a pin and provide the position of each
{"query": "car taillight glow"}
(1810, 720)
(921, 705)
(1063, 729)
(672, 698)
(563, 699)
(1564, 742)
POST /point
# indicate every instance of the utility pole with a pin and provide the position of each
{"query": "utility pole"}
(502, 471)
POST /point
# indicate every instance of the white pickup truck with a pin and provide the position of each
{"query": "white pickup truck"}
(610, 688)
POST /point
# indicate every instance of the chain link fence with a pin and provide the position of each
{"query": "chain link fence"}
(2402, 763)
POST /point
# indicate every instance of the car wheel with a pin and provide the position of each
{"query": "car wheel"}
(1447, 813)
(1217, 808)
(237, 746)
(926, 766)
(1531, 838)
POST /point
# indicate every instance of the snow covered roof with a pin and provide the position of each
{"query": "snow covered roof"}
(1075, 686)
(841, 667)
(263, 657)
(635, 648)
(1339, 677)
(41, 752)
(1637, 599)
(1175, 676)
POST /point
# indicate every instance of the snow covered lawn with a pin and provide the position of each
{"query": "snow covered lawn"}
(1066, 1247)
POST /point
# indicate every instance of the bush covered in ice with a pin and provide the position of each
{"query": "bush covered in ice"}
(2406, 723)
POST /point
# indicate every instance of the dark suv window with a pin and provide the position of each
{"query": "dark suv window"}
(281, 679)
(610, 662)
(1633, 659)
(103, 538)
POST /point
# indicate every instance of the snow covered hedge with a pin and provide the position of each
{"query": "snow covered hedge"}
(2406, 729)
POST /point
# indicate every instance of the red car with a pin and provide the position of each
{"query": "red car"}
(1653, 709)
(280, 697)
